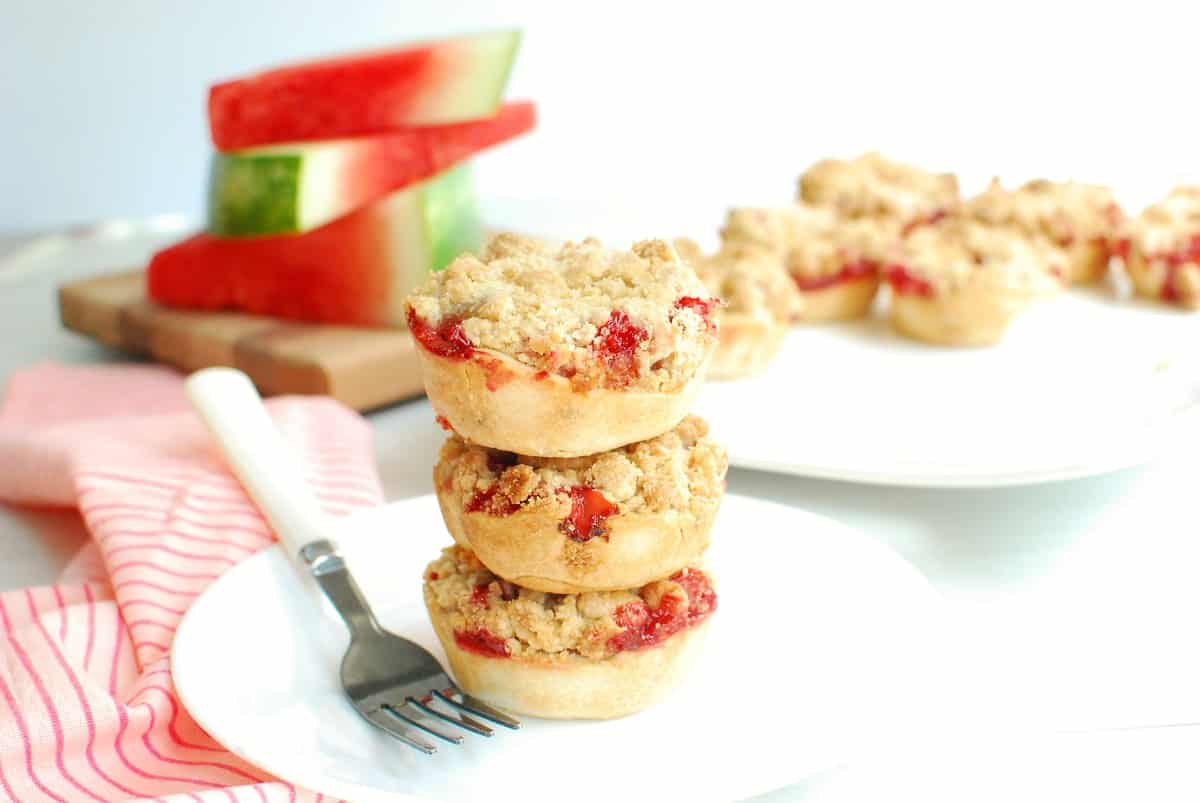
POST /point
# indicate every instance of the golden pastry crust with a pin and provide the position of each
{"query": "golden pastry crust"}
(540, 413)
(961, 283)
(1084, 220)
(873, 186)
(502, 620)
(759, 298)
(558, 310)
(563, 352)
(608, 521)
(1164, 252)
(841, 301)
(576, 687)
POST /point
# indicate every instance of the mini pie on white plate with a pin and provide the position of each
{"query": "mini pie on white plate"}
(834, 261)
(961, 283)
(1164, 251)
(596, 655)
(759, 301)
(1084, 220)
(563, 351)
(619, 519)
(876, 187)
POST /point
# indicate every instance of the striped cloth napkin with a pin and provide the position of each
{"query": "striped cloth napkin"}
(87, 708)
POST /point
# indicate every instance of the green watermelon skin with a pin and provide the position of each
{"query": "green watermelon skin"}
(369, 93)
(279, 189)
(355, 270)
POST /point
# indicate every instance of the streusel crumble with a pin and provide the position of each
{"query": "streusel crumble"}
(956, 253)
(494, 618)
(961, 283)
(749, 281)
(637, 319)
(1082, 219)
(817, 246)
(1164, 260)
(681, 470)
(873, 186)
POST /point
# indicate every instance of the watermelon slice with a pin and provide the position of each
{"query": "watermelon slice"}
(278, 189)
(368, 93)
(355, 270)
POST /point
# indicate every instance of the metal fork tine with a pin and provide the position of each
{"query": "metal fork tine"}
(380, 719)
(461, 720)
(424, 723)
(479, 708)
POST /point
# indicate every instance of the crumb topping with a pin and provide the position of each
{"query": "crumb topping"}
(812, 241)
(681, 469)
(749, 280)
(1170, 225)
(492, 616)
(600, 317)
(958, 252)
(1167, 238)
(1065, 212)
(873, 186)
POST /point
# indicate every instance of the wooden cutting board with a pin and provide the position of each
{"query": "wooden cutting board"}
(363, 368)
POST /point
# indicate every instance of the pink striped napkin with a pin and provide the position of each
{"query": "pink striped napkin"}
(87, 708)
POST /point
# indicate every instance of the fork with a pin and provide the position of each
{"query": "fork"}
(393, 683)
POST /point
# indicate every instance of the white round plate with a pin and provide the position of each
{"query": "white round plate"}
(815, 648)
(1084, 384)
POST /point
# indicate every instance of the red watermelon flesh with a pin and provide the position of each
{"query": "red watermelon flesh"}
(356, 270)
(441, 82)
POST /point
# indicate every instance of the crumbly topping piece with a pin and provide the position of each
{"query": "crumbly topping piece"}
(957, 252)
(520, 623)
(873, 186)
(749, 280)
(681, 470)
(812, 241)
(570, 309)
(1171, 225)
(1064, 212)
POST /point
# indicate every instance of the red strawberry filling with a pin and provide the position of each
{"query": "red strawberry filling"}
(924, 220)
(447, 339)
(479, 596)
(616, 345)
(851, 271)
(490, 502)
(645, 626)
(906, 283)
(701, 306)
(1174, 261)
(589, 509)
(481, 641)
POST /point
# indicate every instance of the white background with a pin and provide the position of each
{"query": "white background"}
(1078, 597)
(663, 112)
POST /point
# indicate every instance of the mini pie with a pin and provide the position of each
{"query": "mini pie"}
(759, 300)
(1083, 220)
(597, 655)
(566, 525)
(1164, 253)
(875, 187)
(960, 283)
(834, 261)
(567, 351)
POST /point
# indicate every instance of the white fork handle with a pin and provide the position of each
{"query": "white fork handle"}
(267, 466)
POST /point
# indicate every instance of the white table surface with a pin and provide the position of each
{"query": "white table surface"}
(1069, 607)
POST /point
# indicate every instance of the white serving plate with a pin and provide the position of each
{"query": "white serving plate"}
(1085, 383)
(820, 645)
